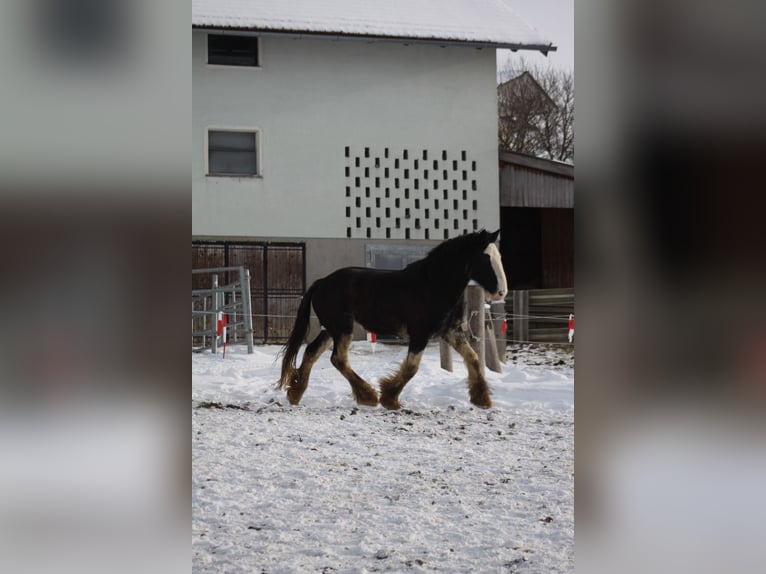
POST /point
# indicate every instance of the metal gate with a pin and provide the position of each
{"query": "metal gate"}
(277, 280)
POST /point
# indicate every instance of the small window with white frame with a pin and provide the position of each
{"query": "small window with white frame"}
(232, 50)
(232, 152)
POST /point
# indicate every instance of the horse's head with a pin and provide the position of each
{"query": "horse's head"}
(487, 266)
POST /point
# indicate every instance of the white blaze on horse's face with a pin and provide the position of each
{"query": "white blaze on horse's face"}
(497, 267)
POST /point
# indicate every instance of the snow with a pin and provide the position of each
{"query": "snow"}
(331, 487)
(483, 21)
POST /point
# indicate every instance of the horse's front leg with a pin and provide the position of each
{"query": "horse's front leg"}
(478, 390)
(392, 386)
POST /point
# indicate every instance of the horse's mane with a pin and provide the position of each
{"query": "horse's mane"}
(462, 245)
(447, 255)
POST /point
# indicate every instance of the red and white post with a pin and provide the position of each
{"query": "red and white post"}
(221, 331)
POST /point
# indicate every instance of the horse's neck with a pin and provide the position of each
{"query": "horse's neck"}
(448, 278)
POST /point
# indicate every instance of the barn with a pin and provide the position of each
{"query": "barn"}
(341, 133)
(537, 221)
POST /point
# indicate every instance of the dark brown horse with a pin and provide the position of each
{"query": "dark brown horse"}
(423, 300)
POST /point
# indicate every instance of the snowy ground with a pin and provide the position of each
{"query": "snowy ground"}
(437, 486)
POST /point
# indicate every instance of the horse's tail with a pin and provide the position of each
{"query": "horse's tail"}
(296, 339)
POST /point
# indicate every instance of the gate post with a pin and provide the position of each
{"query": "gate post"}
(214, 322)
(204, 321)
(233, 307)
(244, 285)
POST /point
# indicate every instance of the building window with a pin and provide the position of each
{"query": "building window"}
(228, 50)
(393, 256)
(232, 153)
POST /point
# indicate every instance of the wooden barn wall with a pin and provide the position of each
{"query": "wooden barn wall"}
(525, 187)
(520, 247)
(557, 247)
(537, 246)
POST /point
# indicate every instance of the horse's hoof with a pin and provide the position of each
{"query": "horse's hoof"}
(294, 397)
(368, 402)
(391, 404)
(482, 400)
(483, 404)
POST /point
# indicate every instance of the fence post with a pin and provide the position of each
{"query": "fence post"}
(244, 283)
(445, 355)
(233, 321)
(214, 330)
(521, 315)
(497, 311)
(475, 309)
(493, 363)
(204, 321)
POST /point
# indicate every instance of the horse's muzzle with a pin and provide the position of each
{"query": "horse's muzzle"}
(499, 296)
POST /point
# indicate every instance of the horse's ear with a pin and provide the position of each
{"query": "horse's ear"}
(492, 237)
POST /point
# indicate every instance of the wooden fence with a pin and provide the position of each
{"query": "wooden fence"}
(539, 315)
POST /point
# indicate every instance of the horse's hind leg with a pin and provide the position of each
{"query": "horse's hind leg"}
(478, 390)
(310, 356)
(392, 386)
(363, 392)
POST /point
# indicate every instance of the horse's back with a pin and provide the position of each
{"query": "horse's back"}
(374, 298)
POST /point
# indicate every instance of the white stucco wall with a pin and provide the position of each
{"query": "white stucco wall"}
(313, 98)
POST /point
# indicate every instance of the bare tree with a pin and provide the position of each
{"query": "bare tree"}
(536, 111)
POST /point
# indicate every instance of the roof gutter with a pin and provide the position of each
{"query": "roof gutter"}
(537, 163)
(300, 35)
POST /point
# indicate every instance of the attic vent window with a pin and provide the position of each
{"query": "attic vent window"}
(230, 50)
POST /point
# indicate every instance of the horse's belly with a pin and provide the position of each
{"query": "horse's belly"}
(383, 325)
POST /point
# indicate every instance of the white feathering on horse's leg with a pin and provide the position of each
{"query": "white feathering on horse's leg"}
(392, 386)
(299, 378)
(478, 389)
(364, 394)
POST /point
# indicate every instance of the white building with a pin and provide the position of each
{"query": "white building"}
(362, 131)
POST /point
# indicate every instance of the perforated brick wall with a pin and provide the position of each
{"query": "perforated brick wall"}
(409, 194)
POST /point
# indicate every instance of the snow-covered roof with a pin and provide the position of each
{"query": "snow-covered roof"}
(489, 23)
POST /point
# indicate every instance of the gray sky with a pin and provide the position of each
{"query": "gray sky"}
(554, 19)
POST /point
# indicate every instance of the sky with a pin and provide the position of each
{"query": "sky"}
(555, 20)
